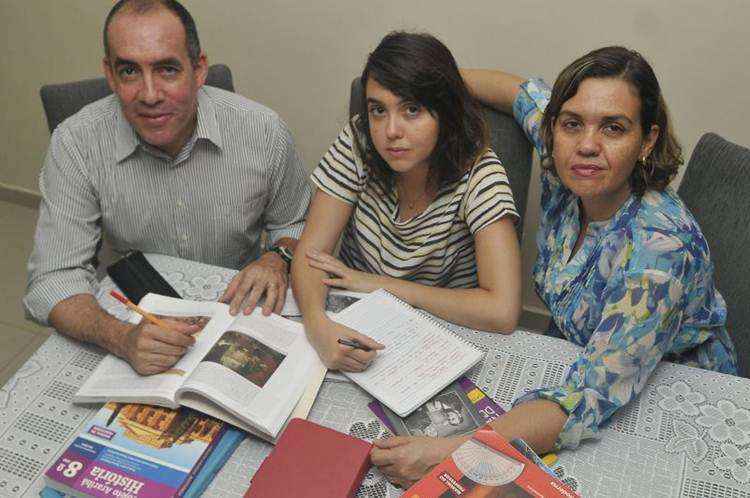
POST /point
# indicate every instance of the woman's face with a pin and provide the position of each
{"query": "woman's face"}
(404, 132)
(597, 140)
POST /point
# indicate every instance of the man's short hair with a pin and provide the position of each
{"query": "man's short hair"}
(192, 43)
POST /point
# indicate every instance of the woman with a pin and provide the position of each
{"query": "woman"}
(424, 206)
(622, 266)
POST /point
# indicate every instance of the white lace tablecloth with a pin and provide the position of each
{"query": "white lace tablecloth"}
(687, 435)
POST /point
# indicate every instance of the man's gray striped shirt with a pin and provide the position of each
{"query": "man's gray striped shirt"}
(238, 175)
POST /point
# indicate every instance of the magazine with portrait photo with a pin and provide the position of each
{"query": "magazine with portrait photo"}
(459, 409)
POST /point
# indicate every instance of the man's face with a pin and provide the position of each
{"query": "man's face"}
(149, 69)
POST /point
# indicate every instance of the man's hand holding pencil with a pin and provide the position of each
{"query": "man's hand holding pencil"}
(155, 344)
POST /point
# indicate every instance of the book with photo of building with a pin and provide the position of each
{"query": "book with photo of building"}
(135, 450)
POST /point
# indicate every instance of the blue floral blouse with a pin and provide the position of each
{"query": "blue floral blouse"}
(640, 289)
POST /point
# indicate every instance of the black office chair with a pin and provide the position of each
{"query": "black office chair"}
(716, 188)
(507, 140)
(62, 100)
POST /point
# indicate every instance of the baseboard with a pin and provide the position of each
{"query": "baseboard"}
(19, 195)
(537, 310)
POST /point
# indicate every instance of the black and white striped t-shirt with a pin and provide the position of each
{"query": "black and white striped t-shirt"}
(435, 247)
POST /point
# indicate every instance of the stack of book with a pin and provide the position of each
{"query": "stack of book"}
(258, 373)
(144, 451)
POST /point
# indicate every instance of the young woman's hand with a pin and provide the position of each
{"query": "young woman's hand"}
(340, 275)
(324, 335)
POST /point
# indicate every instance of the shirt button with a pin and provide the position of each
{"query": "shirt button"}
(179, 204)
(184, 237)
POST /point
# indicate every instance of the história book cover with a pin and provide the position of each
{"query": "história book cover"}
(135, 451)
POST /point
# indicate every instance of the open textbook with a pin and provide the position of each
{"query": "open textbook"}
(420, 358)
(252, 371)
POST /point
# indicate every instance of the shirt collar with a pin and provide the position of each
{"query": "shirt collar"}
(127, 140)
(622, 216)
(208, 126)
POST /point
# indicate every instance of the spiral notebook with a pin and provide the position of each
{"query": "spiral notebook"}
(420, 358)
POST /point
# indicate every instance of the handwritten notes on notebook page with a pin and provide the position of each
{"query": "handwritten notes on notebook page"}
(420, 357)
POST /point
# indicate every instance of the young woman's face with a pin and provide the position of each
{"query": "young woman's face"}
(597, 140)
(404, 132)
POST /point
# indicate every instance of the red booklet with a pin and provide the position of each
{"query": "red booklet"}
(312, 461)
(487, 466)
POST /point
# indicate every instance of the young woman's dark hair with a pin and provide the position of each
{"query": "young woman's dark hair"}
(417, 67)
(619, 62)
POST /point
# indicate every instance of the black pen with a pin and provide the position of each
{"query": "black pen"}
(353, 343)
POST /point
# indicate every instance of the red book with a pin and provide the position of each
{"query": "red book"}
(312, 461)
(487, 466)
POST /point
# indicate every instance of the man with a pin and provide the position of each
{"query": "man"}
(168, 166)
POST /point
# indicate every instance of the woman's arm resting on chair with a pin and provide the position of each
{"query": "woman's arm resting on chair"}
(493, 88)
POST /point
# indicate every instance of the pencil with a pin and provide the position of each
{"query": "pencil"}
(145, 314)
(352, 343)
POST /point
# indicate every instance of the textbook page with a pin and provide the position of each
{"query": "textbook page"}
(257, 370)
(115, 380)
(420, 358)
(301, 409)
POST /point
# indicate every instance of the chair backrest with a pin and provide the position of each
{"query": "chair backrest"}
(716, 188)
(62, 100)
(507, 140)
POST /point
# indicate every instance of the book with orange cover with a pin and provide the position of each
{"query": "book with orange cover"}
(312, 461)
(487, 466)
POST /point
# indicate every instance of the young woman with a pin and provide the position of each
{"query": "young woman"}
(424, 207)
(622, 266)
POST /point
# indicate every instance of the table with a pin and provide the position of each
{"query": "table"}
(688, 433)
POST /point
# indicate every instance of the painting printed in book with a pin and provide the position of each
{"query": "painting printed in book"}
(245, 355)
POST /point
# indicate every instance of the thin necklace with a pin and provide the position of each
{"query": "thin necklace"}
(411, 203)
